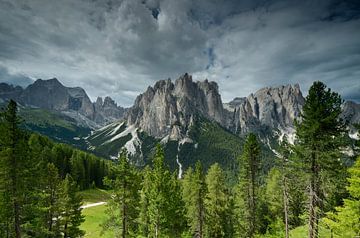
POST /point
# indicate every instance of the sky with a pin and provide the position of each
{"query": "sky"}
(120, 47)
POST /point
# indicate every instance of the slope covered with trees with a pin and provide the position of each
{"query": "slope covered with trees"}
(39, 180)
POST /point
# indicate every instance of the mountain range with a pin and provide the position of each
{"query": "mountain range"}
(188, 117)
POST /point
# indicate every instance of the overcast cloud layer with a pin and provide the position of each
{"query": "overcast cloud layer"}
(119, 48)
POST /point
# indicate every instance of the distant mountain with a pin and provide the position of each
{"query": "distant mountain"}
(190, 117)
(73, 102)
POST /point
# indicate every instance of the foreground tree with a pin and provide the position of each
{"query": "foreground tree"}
(319, 139)
(346, 221)
(247, 189)
(161, 204)
(193, 193)
(71, 217)
(217, 203)
(13, 172)
(122, 209)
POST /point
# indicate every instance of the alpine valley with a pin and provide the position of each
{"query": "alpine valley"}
(187, 117)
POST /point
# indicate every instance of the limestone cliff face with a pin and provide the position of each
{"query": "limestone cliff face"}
(168, 108)
(107, 111)
(275, 107)
(52, 95)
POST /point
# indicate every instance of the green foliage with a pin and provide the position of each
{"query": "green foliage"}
(161, 204)
(217, 204)
(70, 203)
(319, 140)
(214, 145)
(14, 173)
(122, 208)
(94, 218)
(346, 219)
(193, 194)
(247, 191)
(55, 125)
(33, 200)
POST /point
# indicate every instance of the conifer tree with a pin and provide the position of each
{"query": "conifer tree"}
(346, 220)
(217, 203)
(122, 209)
(51, 201)
(70, 202)
(319, 137)
(13, 172)
(143, 218)
(193, 193)
(161, 206)
(247, 189)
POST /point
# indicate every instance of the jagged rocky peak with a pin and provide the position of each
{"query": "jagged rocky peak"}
(8, 91)
(274, 107)
(167, 108)
(351, 114)
(73, 101)
(107, 111)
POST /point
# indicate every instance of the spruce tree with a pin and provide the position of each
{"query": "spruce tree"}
(193, 193)
(70, 207)
(345, 222)
(122, 209)
(319, 137)
(51, 201)
(217, 203)
(161, 207)
(143, 218)
(247, 191)
(13, 172)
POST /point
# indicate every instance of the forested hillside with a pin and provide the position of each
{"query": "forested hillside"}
(39, 180)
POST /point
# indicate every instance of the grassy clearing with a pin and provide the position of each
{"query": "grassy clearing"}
(94, 217)
(95, 195)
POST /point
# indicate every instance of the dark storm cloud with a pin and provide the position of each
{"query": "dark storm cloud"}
(14, 79)
(118, 48)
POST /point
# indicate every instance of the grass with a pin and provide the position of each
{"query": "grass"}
(302, 231)
(95, 195)
(94, 217)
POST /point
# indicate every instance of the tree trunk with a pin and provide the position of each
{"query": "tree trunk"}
(65, 230)
(313, 219)
(285, 199)
(252, 199)
(286, 216)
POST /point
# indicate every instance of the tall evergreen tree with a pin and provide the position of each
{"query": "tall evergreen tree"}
(319, 139)
(51, 201)
(13, 172)
(217, 204)
(346, 221)
(143, 218)
(70, 202)
(161, 207)
(122, 209)
(193, 193)
(247, 189)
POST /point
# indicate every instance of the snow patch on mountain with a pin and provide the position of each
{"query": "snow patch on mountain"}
(290, 134)
(134, 143)
(116, 129)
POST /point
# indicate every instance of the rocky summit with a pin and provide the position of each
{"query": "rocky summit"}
(168, 108)
(73, 101)
(268, 108)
